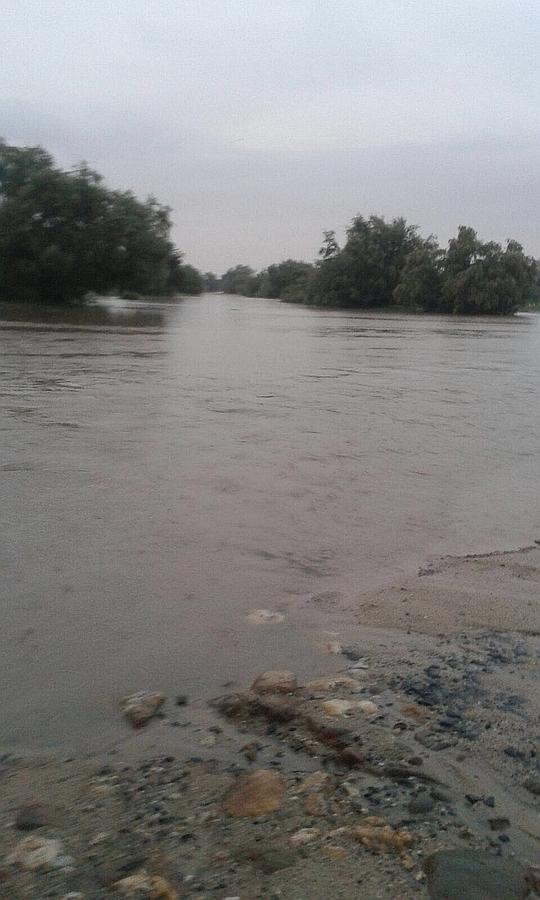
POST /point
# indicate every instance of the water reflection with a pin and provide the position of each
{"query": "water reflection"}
(112, 312)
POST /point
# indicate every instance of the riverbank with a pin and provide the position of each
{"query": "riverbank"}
(418, 735)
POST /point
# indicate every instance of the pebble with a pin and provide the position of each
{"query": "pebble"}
(368, 707)
(338, 707)
(275, 682)
(265, 617)
(304, 836)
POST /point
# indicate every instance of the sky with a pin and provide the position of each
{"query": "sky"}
(264, 122)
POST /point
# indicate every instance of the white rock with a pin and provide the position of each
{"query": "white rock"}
(275, 682)
(140, 707)
(304, 836)
(265, 617)
(338, 707)
(35, 853)
(368, 707)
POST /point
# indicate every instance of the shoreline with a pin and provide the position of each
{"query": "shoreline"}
(434, 737)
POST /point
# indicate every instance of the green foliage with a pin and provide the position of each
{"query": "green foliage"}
(384, 263)
(64, 234)
(241, 280)
(485, 278)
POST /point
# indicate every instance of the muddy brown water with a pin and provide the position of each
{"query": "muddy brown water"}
(167, 468)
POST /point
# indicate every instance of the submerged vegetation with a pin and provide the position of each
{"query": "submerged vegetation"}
(385, 264)
(64, 234)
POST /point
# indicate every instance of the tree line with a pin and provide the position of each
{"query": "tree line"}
(388, 263)
(64, 234)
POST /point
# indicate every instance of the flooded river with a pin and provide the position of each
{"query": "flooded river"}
(166, 469)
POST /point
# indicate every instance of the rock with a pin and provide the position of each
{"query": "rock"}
(421, 803)
(474, 875)
(275, 683)
(255, 794)
(182, 700)
(532, 783)
(376, 834)
(153, 886)
(314, 805)
(265, 617)
(140, 707)
(317, 782)
(367, 707)
(412, 711)
(30, 816)
(304, 836)
(36, 853)
(338, 707)
(330, 684)
(352, 652)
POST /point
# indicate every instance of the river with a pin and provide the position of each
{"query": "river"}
(168, 468)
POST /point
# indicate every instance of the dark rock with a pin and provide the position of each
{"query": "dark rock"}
(490, 802)
(514, 753)
(532, 783)
(182, 700)
(421, 803)
(472, 799)
(499, 824)
(474, 875)
(30, 816)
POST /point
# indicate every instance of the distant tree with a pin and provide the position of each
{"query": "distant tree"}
(241, 280)
(368, 269)
(211, 282)
(280, 278)
(64, 234)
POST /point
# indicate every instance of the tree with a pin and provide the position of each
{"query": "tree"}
(421, 282)
(64, 234)
(280, 278)
(241, 280)
(211, 282)
(485, 279)
(368, 269)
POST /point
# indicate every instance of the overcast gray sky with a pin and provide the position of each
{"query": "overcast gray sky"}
(263, 122)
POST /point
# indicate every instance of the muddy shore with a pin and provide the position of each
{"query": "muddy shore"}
(418, 735)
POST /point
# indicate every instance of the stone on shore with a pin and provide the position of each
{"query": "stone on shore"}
(255, 794)
(275, 682)
(34, 853)
(474, 875)
(338, 707)
(140, 707)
